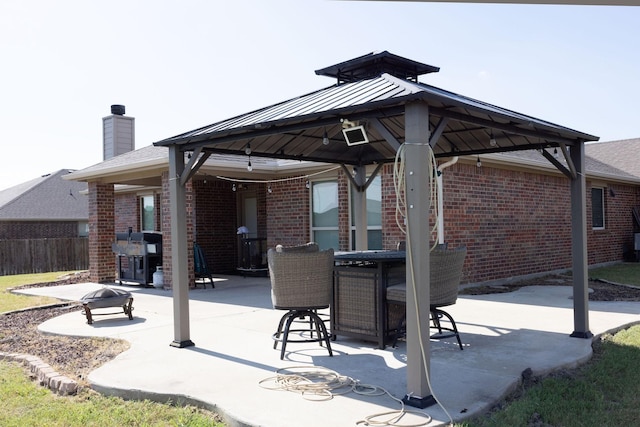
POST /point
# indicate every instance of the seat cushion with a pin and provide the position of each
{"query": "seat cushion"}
(397, 293)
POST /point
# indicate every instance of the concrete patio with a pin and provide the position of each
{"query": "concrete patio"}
(231, 326)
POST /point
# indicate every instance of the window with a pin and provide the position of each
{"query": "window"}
(324, 214)
(374, 216)
(83, 229)
(147, 213)
(597, 208)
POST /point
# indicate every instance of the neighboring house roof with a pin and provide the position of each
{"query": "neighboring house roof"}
(624, 154)
(47, 198)
(595, 167)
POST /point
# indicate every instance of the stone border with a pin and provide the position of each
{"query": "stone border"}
(46, 375)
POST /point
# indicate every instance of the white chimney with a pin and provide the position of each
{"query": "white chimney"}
(118, 133)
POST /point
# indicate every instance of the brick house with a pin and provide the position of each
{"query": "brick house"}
(512, 212)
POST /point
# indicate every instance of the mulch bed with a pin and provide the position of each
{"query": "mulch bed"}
(74, 357)
(600, 290)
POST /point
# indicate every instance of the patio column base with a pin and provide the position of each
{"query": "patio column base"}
(419, 402)
(182, 344)
(587, 334)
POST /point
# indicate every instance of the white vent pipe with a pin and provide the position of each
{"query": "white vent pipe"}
(441, 167)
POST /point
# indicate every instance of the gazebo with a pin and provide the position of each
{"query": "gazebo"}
(377, 107)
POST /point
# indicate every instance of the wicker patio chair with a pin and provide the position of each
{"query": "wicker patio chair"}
(301, 283)
(445, 271)
(307, 247)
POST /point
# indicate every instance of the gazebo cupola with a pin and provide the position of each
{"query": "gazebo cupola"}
(373, 65)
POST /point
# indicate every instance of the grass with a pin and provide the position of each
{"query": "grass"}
(627, 273)
(10, 302)
(24, 403)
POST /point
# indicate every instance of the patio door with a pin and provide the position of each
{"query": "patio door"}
(248, 215)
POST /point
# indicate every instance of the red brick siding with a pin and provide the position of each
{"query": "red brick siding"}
(127, 213)
(287, 208)
(617, 237)
(166, 231)
(102, 261)
(391, 233)
(215, 225)
(37, 229)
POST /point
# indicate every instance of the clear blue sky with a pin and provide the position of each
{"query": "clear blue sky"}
(181, 65)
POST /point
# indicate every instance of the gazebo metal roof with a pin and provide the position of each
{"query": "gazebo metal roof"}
(294, 129)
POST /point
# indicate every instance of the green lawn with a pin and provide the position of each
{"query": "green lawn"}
(24, 403)
(10, 302)
(627, 273)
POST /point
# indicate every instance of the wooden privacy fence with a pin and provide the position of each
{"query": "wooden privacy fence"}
(25, 256)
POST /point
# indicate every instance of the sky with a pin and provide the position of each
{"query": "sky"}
(177, 66)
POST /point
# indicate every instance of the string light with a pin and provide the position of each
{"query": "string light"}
(249, 167)
(479, 163)
(325, 138)
(269, 190)
(247, 150)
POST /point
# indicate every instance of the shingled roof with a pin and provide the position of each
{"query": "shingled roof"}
(622, 154)
(47, 198)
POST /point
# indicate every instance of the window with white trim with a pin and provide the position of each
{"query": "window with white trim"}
(597, 208)
(374, 216)
(147, 213)
(324, 214)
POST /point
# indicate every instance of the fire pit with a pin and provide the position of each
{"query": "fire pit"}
(104, 298)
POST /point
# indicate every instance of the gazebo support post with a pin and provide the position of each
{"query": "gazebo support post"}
(579, 245)
(418, 197)
(179, 262)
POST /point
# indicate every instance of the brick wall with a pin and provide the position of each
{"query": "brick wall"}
(127, 212)
(102, 263)
(37, 229)
(215, 225)
(516, 222)
(513, 222)
(287, 208)
(166, 231)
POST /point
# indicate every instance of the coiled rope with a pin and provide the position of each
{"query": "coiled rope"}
(321, 384)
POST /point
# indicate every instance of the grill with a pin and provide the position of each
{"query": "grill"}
(139, 254)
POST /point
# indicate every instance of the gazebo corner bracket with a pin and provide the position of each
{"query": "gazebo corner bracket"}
(385, 133)
(193, 165)
(437, 132)
(354, 183)
(568, 172)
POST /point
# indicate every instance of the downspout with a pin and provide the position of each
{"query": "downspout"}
(441, 167)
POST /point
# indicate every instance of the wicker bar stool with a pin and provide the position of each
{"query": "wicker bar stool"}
(445, 271)
(301, 282)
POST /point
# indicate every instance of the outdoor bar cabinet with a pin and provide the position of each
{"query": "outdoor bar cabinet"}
(359, 308)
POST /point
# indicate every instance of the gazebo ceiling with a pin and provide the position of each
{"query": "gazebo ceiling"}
(372, 91)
